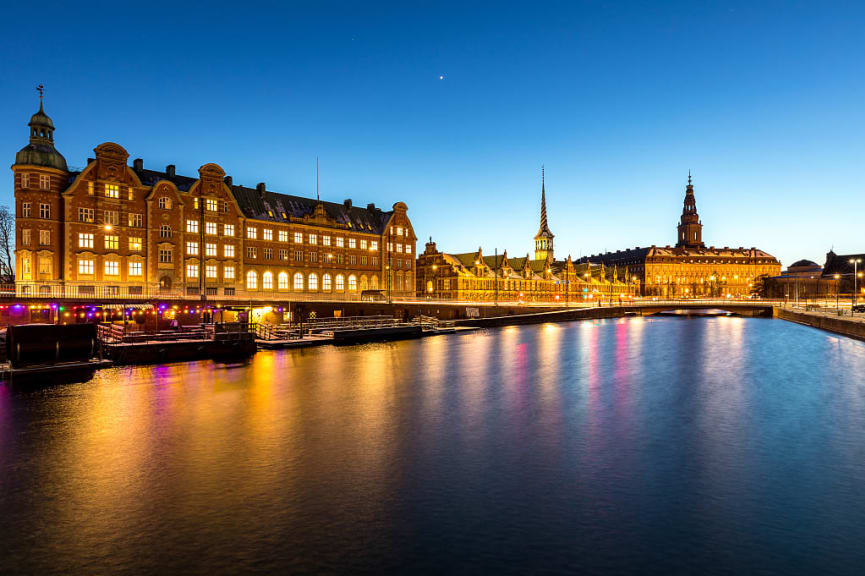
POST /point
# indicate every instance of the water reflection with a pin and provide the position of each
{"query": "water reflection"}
(691, 445)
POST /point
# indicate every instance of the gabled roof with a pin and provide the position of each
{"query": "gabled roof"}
(151, 177)
(272, 205)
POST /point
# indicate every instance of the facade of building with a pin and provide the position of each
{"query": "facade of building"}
(114, 230)
(690, 268)
(847, 271)
(475, 277)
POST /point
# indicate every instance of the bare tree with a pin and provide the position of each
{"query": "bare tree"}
(7, 245)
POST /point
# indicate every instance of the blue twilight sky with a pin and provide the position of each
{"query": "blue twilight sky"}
(453, 107)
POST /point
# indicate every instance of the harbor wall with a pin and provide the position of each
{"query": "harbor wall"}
(842, 325)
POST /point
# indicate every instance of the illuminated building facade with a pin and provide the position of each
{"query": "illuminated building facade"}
(475, 277)
(690, 268)
(112, 230)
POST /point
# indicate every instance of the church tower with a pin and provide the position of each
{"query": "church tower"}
(544, 238)
(690, 227)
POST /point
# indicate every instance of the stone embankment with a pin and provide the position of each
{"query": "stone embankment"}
(829, 320)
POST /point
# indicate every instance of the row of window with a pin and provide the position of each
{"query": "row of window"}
(44, 237)
(44, 181)
(310, 283)
(112, 217)
(44, 210)
(111, 268)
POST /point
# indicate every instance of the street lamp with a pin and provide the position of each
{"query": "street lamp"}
(837, 277)
(855, 262)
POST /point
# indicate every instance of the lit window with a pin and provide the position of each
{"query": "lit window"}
(44, 237)
(325, 282)
(282, 281)
(210, 271)
(210, 228)
(408, 248)
(112, 191)
(251, 252)
(352, 243)
(210, 249)
(283, 235)
(298, 281)
(373, 245)
(352, 283)
(228, 230)
(228, 272)
(325, 240)
(212, 205)
(85, 240)
(136, 220)
(135, 244)
(25, 236)
(312, 282)
(135, 268)
(192, 226)
(399, 248)
(192, 248)
(192, 270)
(112, 268)
(313, 239)
(251, 280)
(399, 230)
(251, 233)
(45, 265)
(267, 281)
(165, 202)
(112, 242)
(363, 244)
(228, 250)
(267, 234)
(340, 283)
(85, 266)
(340, 242)
(298, 237)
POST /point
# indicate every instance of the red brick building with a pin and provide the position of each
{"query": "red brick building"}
(115, 231)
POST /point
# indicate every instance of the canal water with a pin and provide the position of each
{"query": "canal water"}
(666, 446)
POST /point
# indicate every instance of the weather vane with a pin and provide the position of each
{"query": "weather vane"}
(41, 90)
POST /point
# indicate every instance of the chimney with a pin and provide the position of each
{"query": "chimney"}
(261, 188)
(138, 164)
(228, 180)
(169, 170)
(347, 203)
(371, 207)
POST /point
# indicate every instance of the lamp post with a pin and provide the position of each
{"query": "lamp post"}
(837, 277)
(855, 262)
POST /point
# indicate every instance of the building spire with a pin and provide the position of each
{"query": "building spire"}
(689, 178)
(543, 202)
(41, 90)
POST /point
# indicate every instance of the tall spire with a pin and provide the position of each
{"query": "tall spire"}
(690, 228)
(40, 151)
(543, 202)
(544, 238)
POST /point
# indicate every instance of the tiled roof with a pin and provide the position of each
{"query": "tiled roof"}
(277, 207)
(272, 206)
(151, 177)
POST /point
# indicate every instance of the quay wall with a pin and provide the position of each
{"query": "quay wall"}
(842, 325)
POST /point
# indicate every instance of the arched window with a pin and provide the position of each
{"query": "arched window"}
(373, 282)
(399, 287)
(363, 283)
(165, 202)
(410, 288)
(325, 283)
(312, 282)
(298, 281)
(340, 283)
(282, 281)
(429, 286)
(267, 281)
(165, 231)
(352, 283)
(251, 280)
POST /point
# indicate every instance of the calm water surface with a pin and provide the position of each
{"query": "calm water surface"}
(716, 446)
